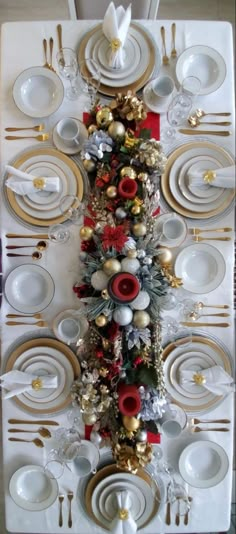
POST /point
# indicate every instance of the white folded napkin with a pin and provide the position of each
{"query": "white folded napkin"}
(224, 177)
(123, 523)
(17, 382)
(215, 379)
(25, 183)
(115, 28)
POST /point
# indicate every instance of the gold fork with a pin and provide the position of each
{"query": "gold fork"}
(173, 31)
(61, 499)
(197, 238)
(198, 429)
(165, 59)
(51, 49)
(37, 128)
(196, 231)
(41, 137)
(46, 64)
(70, 496)
(38, 323)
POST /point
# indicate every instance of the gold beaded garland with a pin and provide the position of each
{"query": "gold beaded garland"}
(111, 191)
(105, 295)
(116, 130)
(104, 117)
(139, 229)
(111, 266)
(101, 320)
(130, 423)
(128, 171)
(86, 233)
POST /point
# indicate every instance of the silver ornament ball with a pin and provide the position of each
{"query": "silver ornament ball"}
(123, 315)
(120, 214)
(130, 265)
(141, 435)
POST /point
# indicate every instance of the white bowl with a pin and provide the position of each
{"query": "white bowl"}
(38, 92)
(203, 464)
(205, 63)
(32, 489)
(29, 288)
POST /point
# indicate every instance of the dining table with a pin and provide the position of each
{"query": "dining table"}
(21, 48)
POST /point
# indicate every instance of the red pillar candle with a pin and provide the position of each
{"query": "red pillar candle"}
(129, 399)
(127, 188)
(124, 287)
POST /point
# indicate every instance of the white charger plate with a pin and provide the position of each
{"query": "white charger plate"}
(193, 362)
(107, 502)
(205, 193)
(44, 365)
(29, 288)
(32, 489)
(205, 63)
(45, 200)
(203, 464)
(158, 228)
(123, 478)
(201, 267)
(38, 92)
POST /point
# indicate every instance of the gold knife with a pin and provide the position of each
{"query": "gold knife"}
(223, 325)
(204, 132)
(36, 422)
(27, 236)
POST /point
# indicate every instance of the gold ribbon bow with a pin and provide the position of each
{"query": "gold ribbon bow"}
(123, 514)
(39, 183)
(209, 176)
(199, 379)
(115, 44)
(37, 384)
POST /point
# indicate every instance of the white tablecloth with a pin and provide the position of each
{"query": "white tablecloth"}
(21, 47)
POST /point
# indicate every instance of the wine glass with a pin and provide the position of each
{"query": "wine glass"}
(89, 80)
(175, 332)
(72, 208)
(68, 68)
(58, 233)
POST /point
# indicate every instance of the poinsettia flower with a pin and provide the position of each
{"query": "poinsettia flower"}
(114, 237)
(82, 291)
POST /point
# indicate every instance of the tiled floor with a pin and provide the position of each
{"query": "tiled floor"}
(11, 10)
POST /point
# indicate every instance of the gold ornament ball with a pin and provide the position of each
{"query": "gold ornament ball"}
(86, 233)
(92, 128)
(141, 319)
(105, 295)
(104, 117)
(111, 266)
(130, 423)
(135, 210)
(89, 418)
(89, 165)
(165, 257)
(139, 230)
(111, 191)
(101, 320)
(128, 171)
(132, 253)
(116, 131)
(142, 176)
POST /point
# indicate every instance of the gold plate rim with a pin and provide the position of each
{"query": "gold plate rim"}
(104, 472)
(45, 342)
(172, 202)
(227, 365)
(11, 195)
(135, 86)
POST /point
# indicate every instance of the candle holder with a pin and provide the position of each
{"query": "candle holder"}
(127, 188)
(123, 288)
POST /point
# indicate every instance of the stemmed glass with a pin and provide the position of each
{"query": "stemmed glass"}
(89, 80)
(58, 233)
(68, 68)
(73, 209)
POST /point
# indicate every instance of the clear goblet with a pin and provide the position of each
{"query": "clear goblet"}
(58, 233)
(72, 208)
(89, 80)
(68, 68)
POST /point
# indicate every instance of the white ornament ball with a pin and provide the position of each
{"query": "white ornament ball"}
(99, 280)
(141, 319)
(123, 315)
(141, 435)
(120, 214)
(130, 265)
(141, 302)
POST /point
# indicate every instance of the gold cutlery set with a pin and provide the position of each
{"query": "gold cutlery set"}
(70, 496)
(195, 421)
(195, 232)
(42, 431)
(196, 314)
(173, 54)
(37, 128)
(194, 122)
(178, 515)
(40, 246)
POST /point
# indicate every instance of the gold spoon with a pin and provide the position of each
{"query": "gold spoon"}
(41, 137)
(38, 442)
(195, 316)
(201, 305)
(194, 122)
(41, 245)
(173, 31)
(165, 59)
(200, 113)
(34, 256)
(42, 431)
(37, 128)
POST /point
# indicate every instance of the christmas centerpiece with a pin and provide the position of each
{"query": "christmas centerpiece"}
(124, 276)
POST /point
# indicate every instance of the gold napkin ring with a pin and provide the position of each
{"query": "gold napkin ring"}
(123, 514)
(209, 176)
(115, 45)
(37, 384)
(39, 183)
(199, 379)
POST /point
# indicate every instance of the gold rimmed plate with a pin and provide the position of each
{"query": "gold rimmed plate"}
(165, 180)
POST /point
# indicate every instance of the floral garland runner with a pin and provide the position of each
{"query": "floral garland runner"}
(121, 391)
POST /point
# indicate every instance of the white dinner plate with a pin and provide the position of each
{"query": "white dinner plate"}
(205, 63)
(29, 288)
(194, 362)
(44, 366)
(205, 193)
(130, 50)
(158, 229)
(122, 478)
(38, 92)
(203, 464)
(107, 502)
(201, 267)
(32, 489)
(46, 200)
